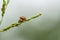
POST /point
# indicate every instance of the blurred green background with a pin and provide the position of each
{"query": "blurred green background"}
(46, 27)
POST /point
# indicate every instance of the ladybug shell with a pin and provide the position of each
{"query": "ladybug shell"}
(23, 17)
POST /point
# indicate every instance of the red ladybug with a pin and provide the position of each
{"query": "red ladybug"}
(22, 18)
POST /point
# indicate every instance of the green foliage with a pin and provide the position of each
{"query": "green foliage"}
(3, 9)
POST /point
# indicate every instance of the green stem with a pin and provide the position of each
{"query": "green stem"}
(16, 24)
(4, 5)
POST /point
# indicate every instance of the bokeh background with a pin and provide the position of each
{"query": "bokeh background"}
(46, 27)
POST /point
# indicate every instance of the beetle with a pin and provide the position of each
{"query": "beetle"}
(22, 18)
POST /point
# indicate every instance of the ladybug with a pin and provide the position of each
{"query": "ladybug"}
(22, 18)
